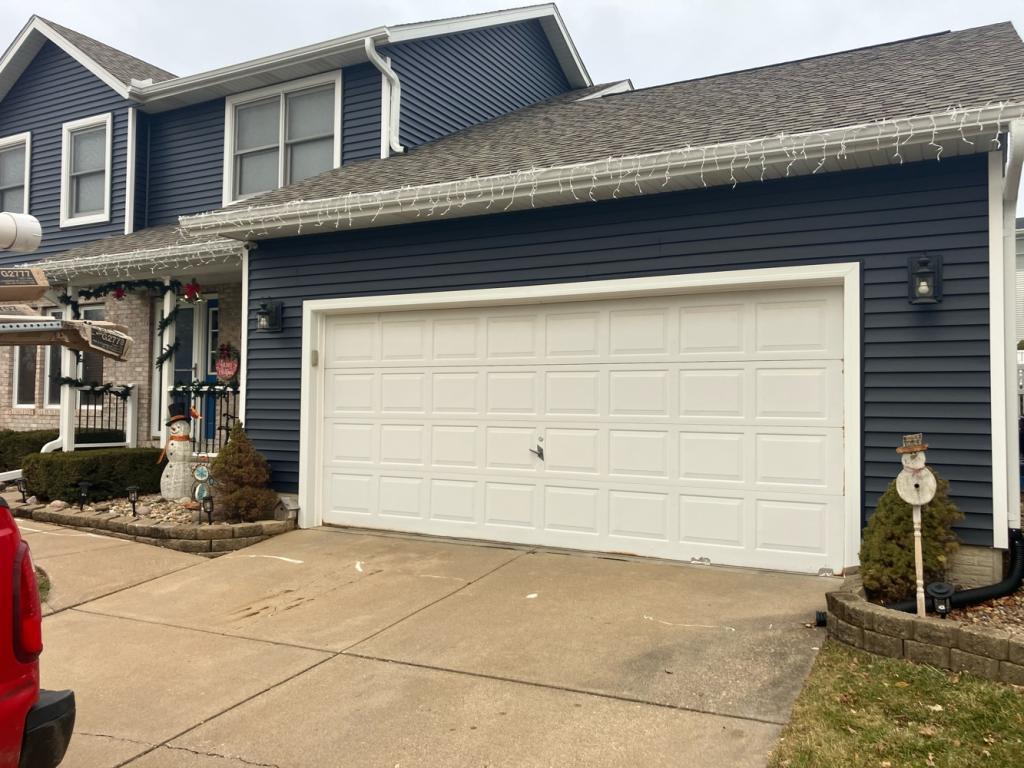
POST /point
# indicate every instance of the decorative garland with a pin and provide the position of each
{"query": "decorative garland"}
(165, 322)
(122, 391)
(217, 389)
(166, 354)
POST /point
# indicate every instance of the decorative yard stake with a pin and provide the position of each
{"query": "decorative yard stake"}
(916, 485)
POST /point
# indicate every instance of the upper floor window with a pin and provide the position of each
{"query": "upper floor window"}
(278, 136)
(85, 171)
(14, 171)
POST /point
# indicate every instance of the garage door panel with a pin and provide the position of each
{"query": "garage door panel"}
(694, 428)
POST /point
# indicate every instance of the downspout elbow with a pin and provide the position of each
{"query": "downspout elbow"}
(394, 105)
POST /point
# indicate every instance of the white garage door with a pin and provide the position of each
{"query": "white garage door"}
(685, 427)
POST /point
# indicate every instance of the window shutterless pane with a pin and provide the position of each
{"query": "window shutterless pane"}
(257, 125)
(310, 113)
(256, 172)
(87, 193)
(53, 354)
(309, 158)
(26, 394)
(88, 150)
(92, 362)
(12, 200)
(12, 167)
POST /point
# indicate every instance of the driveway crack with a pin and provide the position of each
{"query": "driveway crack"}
(225, 757)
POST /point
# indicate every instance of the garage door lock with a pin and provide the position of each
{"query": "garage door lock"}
(538, 451)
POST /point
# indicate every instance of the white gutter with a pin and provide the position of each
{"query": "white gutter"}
(1011, 187)
(392, 107)
(151, 260)
(929, 136)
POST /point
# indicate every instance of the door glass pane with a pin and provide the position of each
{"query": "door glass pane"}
(26, 394)
(212, 337)
(87, 193)
(184, 325)
(257, 125)
(309, 158)
(88, 152)
(92, 362)
(311, 113)
(257, 172)
(13, 200)
(12, 166)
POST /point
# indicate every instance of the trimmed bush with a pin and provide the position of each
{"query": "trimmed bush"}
(241, 477)
(109, 470)
(14, 446)
(887, 544)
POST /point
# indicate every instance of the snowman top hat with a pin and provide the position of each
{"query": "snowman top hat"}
(177, 412)
(913, 444)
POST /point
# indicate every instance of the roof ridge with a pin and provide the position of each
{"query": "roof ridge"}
(816, 57)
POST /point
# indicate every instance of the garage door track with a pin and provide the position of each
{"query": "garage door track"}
(330, 647)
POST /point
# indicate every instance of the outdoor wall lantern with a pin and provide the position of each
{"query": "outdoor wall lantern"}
(83, 493)
(23, 489)
(940, 592)
(268, 317)
(208, 508)
(133, 497)
(925, 279)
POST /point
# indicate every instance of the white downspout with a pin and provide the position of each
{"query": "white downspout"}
(1011, 187)
(393, 104)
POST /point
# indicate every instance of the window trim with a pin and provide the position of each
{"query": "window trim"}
(12, 141)
(67, 219)
(15, 378)
(231, 105)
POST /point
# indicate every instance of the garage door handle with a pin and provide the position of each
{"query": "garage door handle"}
(539, 451)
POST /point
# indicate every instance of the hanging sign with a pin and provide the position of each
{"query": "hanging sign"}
(22, 284)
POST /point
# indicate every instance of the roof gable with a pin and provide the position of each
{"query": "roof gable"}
(113, 67)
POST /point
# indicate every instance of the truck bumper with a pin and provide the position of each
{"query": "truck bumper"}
(48, 728)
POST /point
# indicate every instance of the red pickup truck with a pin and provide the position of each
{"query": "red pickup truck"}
(35, 725)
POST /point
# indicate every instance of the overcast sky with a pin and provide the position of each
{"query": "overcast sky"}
(650, 41)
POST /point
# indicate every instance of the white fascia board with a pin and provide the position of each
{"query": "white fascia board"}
(872, 144)
(165, 260)
(243, 76)
(623, 86)
(547, 13)
(27, 44)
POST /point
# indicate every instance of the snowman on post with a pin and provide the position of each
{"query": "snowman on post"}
(176, 480)
(916, 485)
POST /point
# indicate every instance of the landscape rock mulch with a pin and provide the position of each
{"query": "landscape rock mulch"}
(1004, 612)
(152, 507)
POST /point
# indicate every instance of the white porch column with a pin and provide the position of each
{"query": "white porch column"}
(167, 370)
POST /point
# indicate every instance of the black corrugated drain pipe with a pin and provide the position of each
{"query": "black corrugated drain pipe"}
(967, 597)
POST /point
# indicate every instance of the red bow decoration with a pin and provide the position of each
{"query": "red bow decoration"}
(119, 292)
(192, 291)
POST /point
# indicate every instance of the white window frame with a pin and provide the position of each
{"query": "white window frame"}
(47, 369)
(15, 375)
(67, 219)
(12, 141)
(231, 105)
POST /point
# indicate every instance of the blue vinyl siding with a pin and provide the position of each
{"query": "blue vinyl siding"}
(454, 81)
(186, 156)
(55, 89)
(360, 113)
(925, 368)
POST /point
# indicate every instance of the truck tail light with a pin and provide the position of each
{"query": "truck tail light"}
(28, 613)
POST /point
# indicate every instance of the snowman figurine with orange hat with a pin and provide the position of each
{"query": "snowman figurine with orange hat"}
(176, 480)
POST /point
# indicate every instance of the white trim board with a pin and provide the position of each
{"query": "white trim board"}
(129, 171)
(847, 275)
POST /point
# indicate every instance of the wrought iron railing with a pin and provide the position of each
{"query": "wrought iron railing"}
(103, 416)
(217, 406)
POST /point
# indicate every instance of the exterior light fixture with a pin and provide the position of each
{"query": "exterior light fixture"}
(208, 508)
(23, 488)
(83, 493)
(268, 317)
(133, 497)
(924, 279)
(940, 592)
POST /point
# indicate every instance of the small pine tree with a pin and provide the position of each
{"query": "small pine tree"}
(241, 475)
(887, 545)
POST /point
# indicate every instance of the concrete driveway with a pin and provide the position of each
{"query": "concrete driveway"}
(336, 648)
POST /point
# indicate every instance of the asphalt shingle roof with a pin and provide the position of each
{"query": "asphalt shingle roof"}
(121, 65)
(151, 238)
(911, 77)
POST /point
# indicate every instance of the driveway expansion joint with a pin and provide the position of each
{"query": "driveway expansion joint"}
(563, 688)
